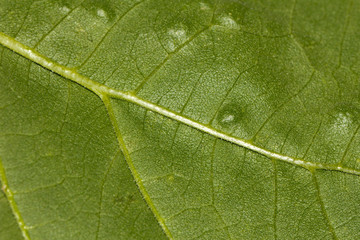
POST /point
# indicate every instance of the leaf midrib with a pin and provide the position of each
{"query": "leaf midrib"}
(104, 91)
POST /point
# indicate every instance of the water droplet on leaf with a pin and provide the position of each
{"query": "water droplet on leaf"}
(344, 117)
(101, 9)
(177, 36)
(230, 114)
(343, 120)
(228, 118)
(101, 13)
(64, 9)
(65, 6)
(229, 22)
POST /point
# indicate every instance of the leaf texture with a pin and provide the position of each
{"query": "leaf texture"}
(180, 119)
(9, 228)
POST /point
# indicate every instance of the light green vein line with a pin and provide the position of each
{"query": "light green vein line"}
(169, 56)
(133, 170)
(322, 206)
(34, 56)
(10, 197)
(97, 88)
(275, 198)
(102, 90)
(219, 134)
(103, 181)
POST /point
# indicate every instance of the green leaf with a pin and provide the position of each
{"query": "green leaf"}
(180, 119)
(8, 226)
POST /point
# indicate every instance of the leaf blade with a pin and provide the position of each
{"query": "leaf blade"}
(261, 84)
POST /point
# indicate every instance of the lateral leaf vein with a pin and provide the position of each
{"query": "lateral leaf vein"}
(102, 90)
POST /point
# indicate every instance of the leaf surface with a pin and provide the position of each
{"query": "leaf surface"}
(181, 119)
(9, 228)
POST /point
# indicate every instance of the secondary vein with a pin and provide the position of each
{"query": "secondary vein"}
(10, 197)
(132, 168)
(102, 90)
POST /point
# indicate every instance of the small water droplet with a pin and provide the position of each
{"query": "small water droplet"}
(230, 114)
(344, 118)
(102, 9)
(64, 9)
(227, 118)
(177, 36)
(101, 13)
(229, 22)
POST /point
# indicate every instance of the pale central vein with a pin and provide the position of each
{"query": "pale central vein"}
(10, 197)
(102, 90)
